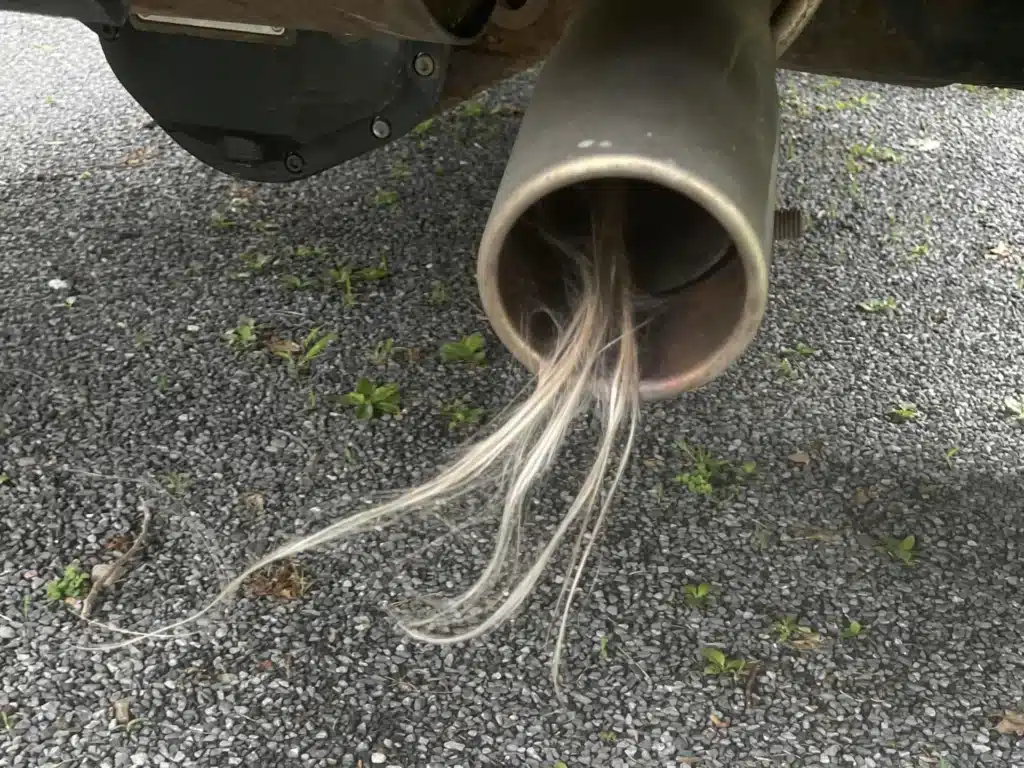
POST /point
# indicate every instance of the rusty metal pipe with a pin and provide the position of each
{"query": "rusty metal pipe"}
(675, 103)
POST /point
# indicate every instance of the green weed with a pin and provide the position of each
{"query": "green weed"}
(904, 550)
(71, 584)
(608, 737)
(917, 253)
(423, 127)
(852, 630)
(461, 415)
(219, 221)
(469, 349)
(297, 283)
(309, 251)
(243, 336)
(438, 294)
(382, 352)
(800, 350)
(300, 355)
(787, 627)
(697, 595)
(717, 664)
(176, 483)
(369, 399)
(873, 306)
(256, 262)
(471, 109)
(902, 413)
(707, 473)
(385, 198)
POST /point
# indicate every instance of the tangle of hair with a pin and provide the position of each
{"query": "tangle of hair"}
(592, 365)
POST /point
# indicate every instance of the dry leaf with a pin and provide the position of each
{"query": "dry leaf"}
(800, 457)
(122, 714)
(718, 722)
(253, 502)
(282, 346)
(1011, 724)
(286, 581)
(861, 497)
(122, 542)
(1000, 251)
(808, 641)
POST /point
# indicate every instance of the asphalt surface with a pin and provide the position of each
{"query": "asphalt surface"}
(129, 396)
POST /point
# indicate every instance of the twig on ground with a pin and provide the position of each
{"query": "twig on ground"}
(116, 569)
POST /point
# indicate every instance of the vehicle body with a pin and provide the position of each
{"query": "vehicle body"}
(279, 90)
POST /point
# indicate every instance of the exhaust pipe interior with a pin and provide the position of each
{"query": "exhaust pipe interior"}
(675, 104)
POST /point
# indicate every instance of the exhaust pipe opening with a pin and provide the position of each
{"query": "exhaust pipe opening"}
(680, 256)
(675, 104)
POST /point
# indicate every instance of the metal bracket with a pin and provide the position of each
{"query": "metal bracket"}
(278, 111)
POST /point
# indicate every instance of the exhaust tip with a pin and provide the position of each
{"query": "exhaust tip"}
(699, 278)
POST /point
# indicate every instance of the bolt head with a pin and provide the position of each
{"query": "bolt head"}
(294, 163)
(424, 65)
(381, 128)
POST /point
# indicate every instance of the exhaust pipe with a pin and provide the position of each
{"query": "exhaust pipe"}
(674, 102)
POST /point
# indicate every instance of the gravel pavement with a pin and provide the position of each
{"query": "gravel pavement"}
(124, 263)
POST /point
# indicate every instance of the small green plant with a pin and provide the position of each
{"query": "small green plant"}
(1014, 407)
(461, 415)
(856, 101)
(219, 221)
(382, 352)
(904, 550)
(345, 277)
(26, 602)
(379, 272)
(256, 262)
(559, 764)
(852, 630)
(786, 368)
(438, 294)
(309, 251)
(697, 595)
(71, 584)
(385, 197)
(369, 399)
(4, 478)
(468, 349)
(608, 737)
(243, 336)
(423, 127)
(717, 664)
(602, 648)
(949, 454)
(873, 306)
(918, 252)
(471, 109)
(873, 154)
(707, 473)
(162, 381)
(297, 283)
(341, 277)
(799, 350)
(788, 627)
(299, 356)
(176, 483)
(902, 413)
